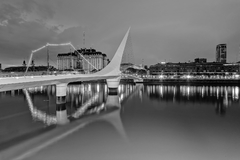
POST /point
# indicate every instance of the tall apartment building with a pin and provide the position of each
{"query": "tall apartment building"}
(221, 53)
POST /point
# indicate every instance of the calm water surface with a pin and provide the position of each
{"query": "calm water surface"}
(140, 122)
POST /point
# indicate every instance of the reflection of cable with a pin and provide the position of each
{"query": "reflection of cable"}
(96, 109)
(85, 106)
(37, 114)
(50, 120)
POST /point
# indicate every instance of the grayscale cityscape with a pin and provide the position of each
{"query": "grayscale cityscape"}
(130, 79)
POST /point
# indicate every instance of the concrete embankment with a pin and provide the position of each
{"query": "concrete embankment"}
(192, 81)
(174, 81)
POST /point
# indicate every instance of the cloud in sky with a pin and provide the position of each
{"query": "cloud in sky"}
(161, 30)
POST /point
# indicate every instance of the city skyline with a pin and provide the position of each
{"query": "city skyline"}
(161, 31)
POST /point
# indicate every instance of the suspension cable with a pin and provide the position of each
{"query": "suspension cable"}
(52, 45)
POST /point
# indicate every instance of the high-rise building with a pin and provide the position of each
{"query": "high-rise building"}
(221, 53)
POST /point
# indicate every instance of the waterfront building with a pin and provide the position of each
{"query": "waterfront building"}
(67, 61)
(125, 66)
(30, 69)
(75, 61)
(129, 68)
(194, 68)
(221, 53)
(96, 58)
(200, 60)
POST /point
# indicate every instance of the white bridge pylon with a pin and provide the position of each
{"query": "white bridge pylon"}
(113, 68)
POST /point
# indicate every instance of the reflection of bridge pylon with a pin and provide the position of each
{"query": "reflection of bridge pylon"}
(114, 117)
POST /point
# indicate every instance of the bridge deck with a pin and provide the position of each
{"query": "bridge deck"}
(13, 83)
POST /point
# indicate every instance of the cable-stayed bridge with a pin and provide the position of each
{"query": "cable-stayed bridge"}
(111, 73)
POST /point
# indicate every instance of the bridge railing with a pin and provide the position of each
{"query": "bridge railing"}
(35, 74)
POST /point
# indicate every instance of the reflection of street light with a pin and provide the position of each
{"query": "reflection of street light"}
(89, 87)
(161, 76)
(98, 88)
(188, 76)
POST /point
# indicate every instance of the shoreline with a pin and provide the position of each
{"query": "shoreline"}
(173, 81)
(192, 81)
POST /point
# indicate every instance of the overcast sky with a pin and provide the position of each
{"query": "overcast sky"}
(171, 30)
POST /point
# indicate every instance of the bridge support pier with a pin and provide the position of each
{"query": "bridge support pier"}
(113, 83)
(61, 110)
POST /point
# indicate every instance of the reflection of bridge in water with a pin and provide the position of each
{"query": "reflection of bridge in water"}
(109, 110)
(112, 106)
